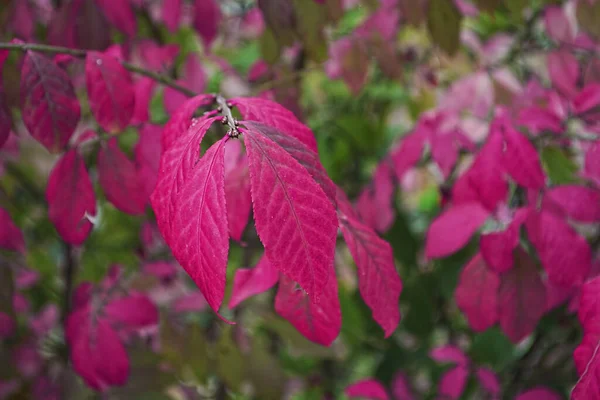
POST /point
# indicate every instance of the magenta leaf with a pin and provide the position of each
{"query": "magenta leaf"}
(576, 202)
(589, 304)
(134, 312)
(539, 393)
(207, 18)
(249, 282)
(5, 117)
(276, 116)
(565, 255)
(193, 77)
(49, 105)
(521, 297)
(453, 229)
(401, 389)
(587, 99)
(119, 179)
(488, 381)
(453, 382)
(348, 60)
(477, 294)
(557, 24)
(444, 151)
(171, 13)
(110, 90)
(319, 322)
(181, 120)
(199, 237)
(375, 203)
(449, 354)
(237, 189)
(368, 388)
(120, 14)
(591, 167)
(147, 157)
(497, 247)
(563, 68)
(521, 159)
(144, 88)
(11, 237)
(295, 220)
(379, 282)
(586, 351)
(408, 153)
(70, 196)
(192, 302)
(176, 164)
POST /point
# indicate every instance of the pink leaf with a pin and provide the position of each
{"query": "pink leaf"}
(592, 162)
(97, 354)
(119, 179)
(522, 298)
(587, 99)
(144, 88)
(348, 60)
(249, 282)
(453, 382)
(11, 237)
(521, 159)
(484, 181)
(49, 105)
(171, 13)
(586, 351)
(477, 294)
(374, 204)
(408, 153)
(497, 247)
(22, 20)
(444, 151)
(71, 197)
(176, 164)
(192, 302)
(134, 311)
(452, 230)
(565, 255)
(401, 389)
(294, 219)
(563, 68)
(161, 269)
(379, 283)
(199, 237)
(449, 354)
(120, 14)
(576, 202)
(147, 157)
(319, 322)
(207, 18)
(193, 77)
(7, 325)
(589, 305)
(538, 393)
(237, 189)
(368, 389)
(5, 117)
(276, 116)
(557, 25)
(488, 380)
(181, 120)
(110, 90)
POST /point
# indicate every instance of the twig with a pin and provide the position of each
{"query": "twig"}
(81, 53)
(225, 109)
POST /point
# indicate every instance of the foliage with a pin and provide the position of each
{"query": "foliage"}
(382, 199)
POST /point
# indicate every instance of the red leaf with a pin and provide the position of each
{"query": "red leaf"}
(97, 354)
(379, 283)
(207, 18)
(408, 153)
(181, 120)
(565, 255)
(294, 219)
(319, 322)
(110, 90)
(193, 77)
(274, 115)
(453, 229)
(199, 237)
(5, 117)
(522, 298)
(538, 393)
(497, 247)
(70, 197)
(176, 164)
(134, 312)
(477, 294)
(119, 179)
(453, 382)
(171, 13)
(587, 99)
(144, 88)
(589, 304)
(368, 389)
(586, 351)
(520, 158)
(147, 157)
(484, 181)
(249, 282)
(563, 68)
(237, 189)
(120, 14)
(11, 237)
(576, 202)
(588, 386)
(49, 105)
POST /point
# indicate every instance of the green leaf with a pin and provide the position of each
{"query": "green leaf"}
(443, 22)
(487, 5)
(269, 46)
(493, 348)
(311, 20)
(186, 349)
(264, 370)
(560, 168)
(231, 366)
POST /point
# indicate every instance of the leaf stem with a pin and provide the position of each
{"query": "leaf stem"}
(225, 109)
(81, 53)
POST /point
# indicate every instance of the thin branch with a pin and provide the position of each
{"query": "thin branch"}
(81, 53)
(225, 109)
